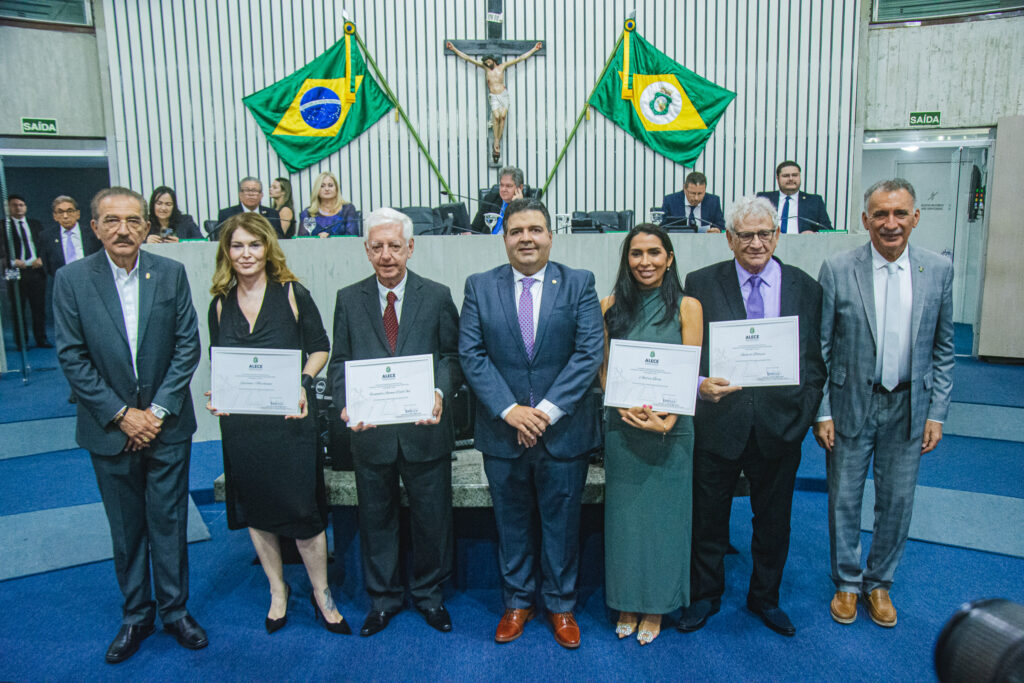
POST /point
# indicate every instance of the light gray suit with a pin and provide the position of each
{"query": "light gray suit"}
(869, 422)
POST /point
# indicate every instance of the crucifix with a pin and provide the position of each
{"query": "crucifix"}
(491, 51)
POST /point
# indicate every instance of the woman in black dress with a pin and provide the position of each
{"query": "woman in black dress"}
(272, 468)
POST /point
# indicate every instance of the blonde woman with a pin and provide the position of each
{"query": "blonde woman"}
(328, 214)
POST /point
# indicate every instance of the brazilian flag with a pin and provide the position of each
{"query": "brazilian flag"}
(320, 108)
(658, 101)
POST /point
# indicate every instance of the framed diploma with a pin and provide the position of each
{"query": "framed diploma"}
(255, 381)
(646, 373)
(387, 391)
(756, 353)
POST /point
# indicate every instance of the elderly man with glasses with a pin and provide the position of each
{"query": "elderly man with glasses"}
(250, 193)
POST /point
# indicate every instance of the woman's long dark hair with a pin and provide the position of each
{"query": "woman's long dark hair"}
(622, 315)
(175, 217)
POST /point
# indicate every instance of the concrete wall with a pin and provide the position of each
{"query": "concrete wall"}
(969, 71)
(51, 74)
(325, 266)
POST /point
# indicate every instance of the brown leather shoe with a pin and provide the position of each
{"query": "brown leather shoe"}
(880, 608)
(567, 631)
(511, 625)
(844, 607)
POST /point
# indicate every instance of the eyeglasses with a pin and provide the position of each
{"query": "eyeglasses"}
(251, 190)
(112, 222)
(65, 212)
(747, 237)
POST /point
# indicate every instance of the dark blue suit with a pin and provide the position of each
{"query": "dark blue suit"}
(548, 478)
(677, 207)
(811, 212)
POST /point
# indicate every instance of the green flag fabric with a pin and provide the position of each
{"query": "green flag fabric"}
(662, 104)
(320, 108)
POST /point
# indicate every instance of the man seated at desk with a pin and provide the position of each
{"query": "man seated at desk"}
(693, 207)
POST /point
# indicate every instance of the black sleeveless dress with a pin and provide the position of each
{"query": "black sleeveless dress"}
(273, 470)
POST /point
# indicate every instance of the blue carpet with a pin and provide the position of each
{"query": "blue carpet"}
(44, 396)
(976, 381)
(229, 597)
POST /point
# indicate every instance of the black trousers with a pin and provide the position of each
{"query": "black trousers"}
(429, 488)
(145, 495)
(32, 288)
(771, 500)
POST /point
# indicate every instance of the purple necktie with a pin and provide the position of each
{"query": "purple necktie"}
(69, 248)
(755, 304)
(526, 315)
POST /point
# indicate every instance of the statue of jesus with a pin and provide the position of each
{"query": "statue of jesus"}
(497, 94)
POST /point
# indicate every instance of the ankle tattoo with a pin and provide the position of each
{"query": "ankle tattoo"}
(328, 601)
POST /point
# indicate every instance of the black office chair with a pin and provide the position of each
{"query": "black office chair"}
(210, 228)
(454, 217)
(425, 220)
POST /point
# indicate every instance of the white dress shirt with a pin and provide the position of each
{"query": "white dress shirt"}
(536, 291)
(881, 277)
(28, 249)
(127, 284)
(74, 233)
(399, 291)
(792, 225)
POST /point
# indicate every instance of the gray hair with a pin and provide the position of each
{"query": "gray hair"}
(116, 191)
(751, 207)
(60, 199)
(517, 175)
(387, 216)
(249, 179)
(893, 185)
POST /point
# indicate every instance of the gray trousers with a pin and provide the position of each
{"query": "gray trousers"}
(896, 461)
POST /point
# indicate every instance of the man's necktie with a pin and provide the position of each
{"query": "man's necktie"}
(26, 248)
(526, 321)
(499, 226)
(891, 336)
(391, 321)
(785, 214)
(755, 304)
(692, 219)
(69, 247)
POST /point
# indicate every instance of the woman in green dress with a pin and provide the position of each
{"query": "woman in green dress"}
(648, 455)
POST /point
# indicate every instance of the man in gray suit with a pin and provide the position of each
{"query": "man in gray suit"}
(887, 337)
(128, 344)
(395, 312)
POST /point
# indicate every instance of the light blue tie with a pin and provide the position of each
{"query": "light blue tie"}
(891, 335)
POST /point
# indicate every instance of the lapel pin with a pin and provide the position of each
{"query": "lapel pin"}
(920, 269)
(147, 276)
(554, 282)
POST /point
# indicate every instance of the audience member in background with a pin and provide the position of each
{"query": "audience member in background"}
(66, 242)
(693, 207)
(648, 455)
(798, 211)
(250, 193)
(166, 222)
(754, 430)
(395, 312)
(128, 343)
(24, 252)
(273, 470)
(511, 185)
(280, 192)
(328, 214)
(887, 337)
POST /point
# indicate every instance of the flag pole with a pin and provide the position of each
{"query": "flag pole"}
(630, 25)
(350, 29)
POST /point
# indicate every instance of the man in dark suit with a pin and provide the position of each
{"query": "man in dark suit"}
(887, 337)
(250, 193)
(754, 430)
(694, 207)
(511, 185)
(798, 211)
(128, 344)
(66, 242)
(24, 253)
(531, 340)
(396, 312)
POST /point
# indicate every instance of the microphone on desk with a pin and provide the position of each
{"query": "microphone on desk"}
(820, 226)
(684, 222)
(481, 202)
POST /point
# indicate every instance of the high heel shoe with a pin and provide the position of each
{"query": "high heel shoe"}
(340, 627)
(277, 624)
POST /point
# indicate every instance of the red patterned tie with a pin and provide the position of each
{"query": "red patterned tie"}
(391, 321)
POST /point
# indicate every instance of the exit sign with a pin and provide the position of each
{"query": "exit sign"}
(39, 126)
(924, 118)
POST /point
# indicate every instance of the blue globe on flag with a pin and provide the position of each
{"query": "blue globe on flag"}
(320, 107)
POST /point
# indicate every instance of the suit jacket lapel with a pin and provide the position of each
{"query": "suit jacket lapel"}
(148, 279)
(553, 283)
(505, 287)
(371, 302)
(789, 299)
(731, 290)
(917, 289)
(866, 285)
(103, 281)
(410, 309)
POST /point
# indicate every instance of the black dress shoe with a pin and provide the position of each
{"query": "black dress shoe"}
(126, 642)
(774, 618)
(696, 615)
(188, 633)
(438, 618)
(376, 621)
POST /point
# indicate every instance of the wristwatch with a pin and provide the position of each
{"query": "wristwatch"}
(158, 411)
